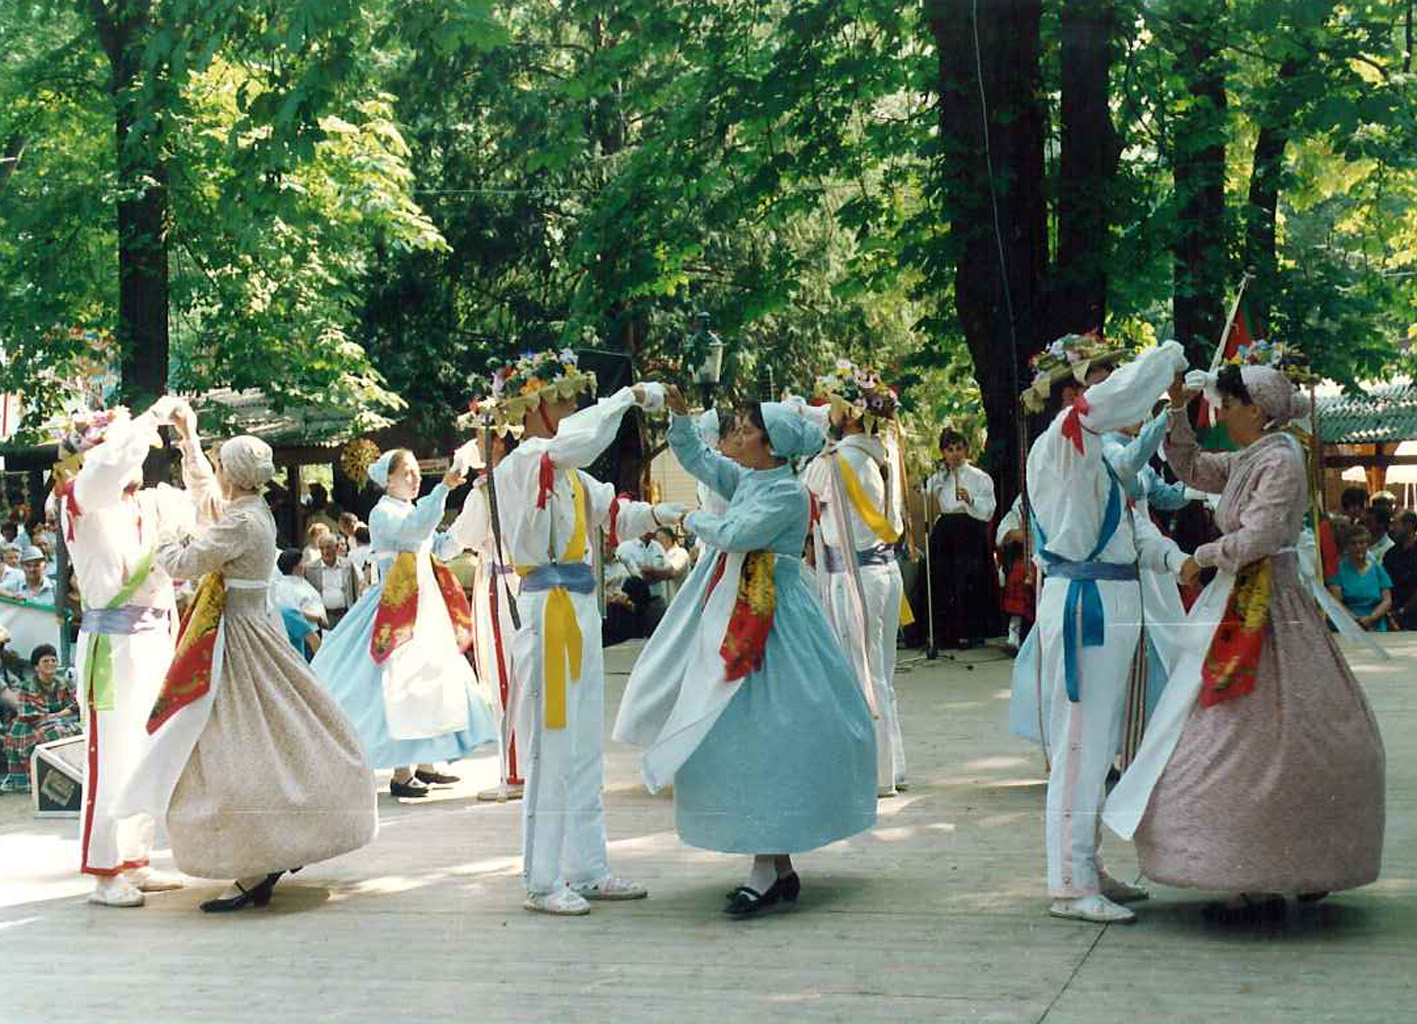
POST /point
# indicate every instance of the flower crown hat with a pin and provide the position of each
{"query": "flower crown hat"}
(859, 393)
(1072, 355)
(520, 387)
(79, 433)
(1287, 359)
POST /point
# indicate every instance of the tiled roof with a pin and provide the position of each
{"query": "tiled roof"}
(251, 413)
(1385, 412)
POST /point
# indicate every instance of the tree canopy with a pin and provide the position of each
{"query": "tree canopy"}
(364, 203)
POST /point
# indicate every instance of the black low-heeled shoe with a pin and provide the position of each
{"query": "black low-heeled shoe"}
(406, 790)
(436, 778)
(744, 902)
(258, 896)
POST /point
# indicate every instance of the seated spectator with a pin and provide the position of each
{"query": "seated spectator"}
(1361, 583)
(643, 559)
(48, 710)
(44, 540)
(11, 575)
(1354, 503)
(301, 608)
(35, 585)
(1401, 566)
(621, 618)
(11, 675)
(1379, 523)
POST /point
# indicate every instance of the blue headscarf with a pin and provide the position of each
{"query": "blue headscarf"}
(791, 436)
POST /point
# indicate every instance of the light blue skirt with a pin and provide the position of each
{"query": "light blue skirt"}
(790, 765)
(347, 669)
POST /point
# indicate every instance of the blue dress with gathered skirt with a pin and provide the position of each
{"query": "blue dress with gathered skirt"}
(348, 670)
(790, 764)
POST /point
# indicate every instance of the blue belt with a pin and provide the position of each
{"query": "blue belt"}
(125, 621)
(878, 555)
(577, 577)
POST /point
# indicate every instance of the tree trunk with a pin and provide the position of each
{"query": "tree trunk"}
(1089, 161)
(1008, 53)
(1200, 272)
(142, 206)
(1266, 179)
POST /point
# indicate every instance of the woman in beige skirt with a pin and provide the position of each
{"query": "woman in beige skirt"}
(1262, 771)
(264, 772)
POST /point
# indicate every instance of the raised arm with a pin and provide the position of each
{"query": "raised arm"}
(1264, 523)
(582, 436)
(712, 469)
(1205, 471)
(1127, 396)
(472, 529)
(1162, 496)
(208, 552)
(407, 528)
(754, 525)
(111, 465)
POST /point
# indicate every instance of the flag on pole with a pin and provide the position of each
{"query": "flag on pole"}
(1212, 434)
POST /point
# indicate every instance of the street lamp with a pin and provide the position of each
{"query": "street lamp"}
(710, 371)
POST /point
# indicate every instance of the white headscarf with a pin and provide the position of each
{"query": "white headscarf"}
(379, 472)
(247, 462)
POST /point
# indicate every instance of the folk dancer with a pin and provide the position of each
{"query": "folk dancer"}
(1263, 772)
(259, 770)
(749, 706)
(859, 496)
(549, 509)
(112, 524)
(1088, 624)
(396, 662)
(963, 581)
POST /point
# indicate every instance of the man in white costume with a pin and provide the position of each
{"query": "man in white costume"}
(857, 490)
(1091, 550)
(549, 512)
(112, 525)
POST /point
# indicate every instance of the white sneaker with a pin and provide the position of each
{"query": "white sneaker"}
(901, 785)
(611, 888)
(1122, 892)
(562, 903)
(116, 891)
(885, 792)
(147, 880)
(1098, 909)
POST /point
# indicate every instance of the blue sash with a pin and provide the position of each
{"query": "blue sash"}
(878, 555)
(1083, 596)
(577, 577)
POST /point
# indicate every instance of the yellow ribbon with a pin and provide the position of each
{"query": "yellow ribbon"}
(876, 520)
(563, 641)
(870, 515)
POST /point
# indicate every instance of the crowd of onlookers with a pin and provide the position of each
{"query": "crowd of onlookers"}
(1376, 577)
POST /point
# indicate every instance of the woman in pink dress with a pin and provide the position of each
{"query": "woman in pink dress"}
(1265, 775)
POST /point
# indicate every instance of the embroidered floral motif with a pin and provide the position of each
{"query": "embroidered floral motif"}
(190, 675)
(1232, 664)
(398, 607)
(751, 621)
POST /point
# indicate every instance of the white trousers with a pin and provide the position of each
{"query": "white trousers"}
(563, 815)
(883, 588)
(116, 742)
(1084, 736)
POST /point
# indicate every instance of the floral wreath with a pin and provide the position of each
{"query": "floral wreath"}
(1277, 356)
(1072, 355)
(535, 377)
(859, 393)
(356, 458)
(77, 434)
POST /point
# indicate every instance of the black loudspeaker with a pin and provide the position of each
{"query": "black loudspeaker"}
(57, 778)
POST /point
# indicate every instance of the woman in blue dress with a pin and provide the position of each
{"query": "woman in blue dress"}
(396, 661)
(767, 737)
(1361, 582)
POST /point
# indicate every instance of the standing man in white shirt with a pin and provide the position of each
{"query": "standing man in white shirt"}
(334, 578)
(963, 581)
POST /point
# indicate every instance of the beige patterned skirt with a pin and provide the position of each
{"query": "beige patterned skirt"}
(277, 779)
(1281, 790)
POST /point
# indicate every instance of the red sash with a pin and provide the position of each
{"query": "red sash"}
(398, 607)
(190, 675)
(751, 621)
(1232, 663)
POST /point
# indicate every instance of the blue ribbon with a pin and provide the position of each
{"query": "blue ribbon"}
(128, 620)
(1083, 596)
(577, 577)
